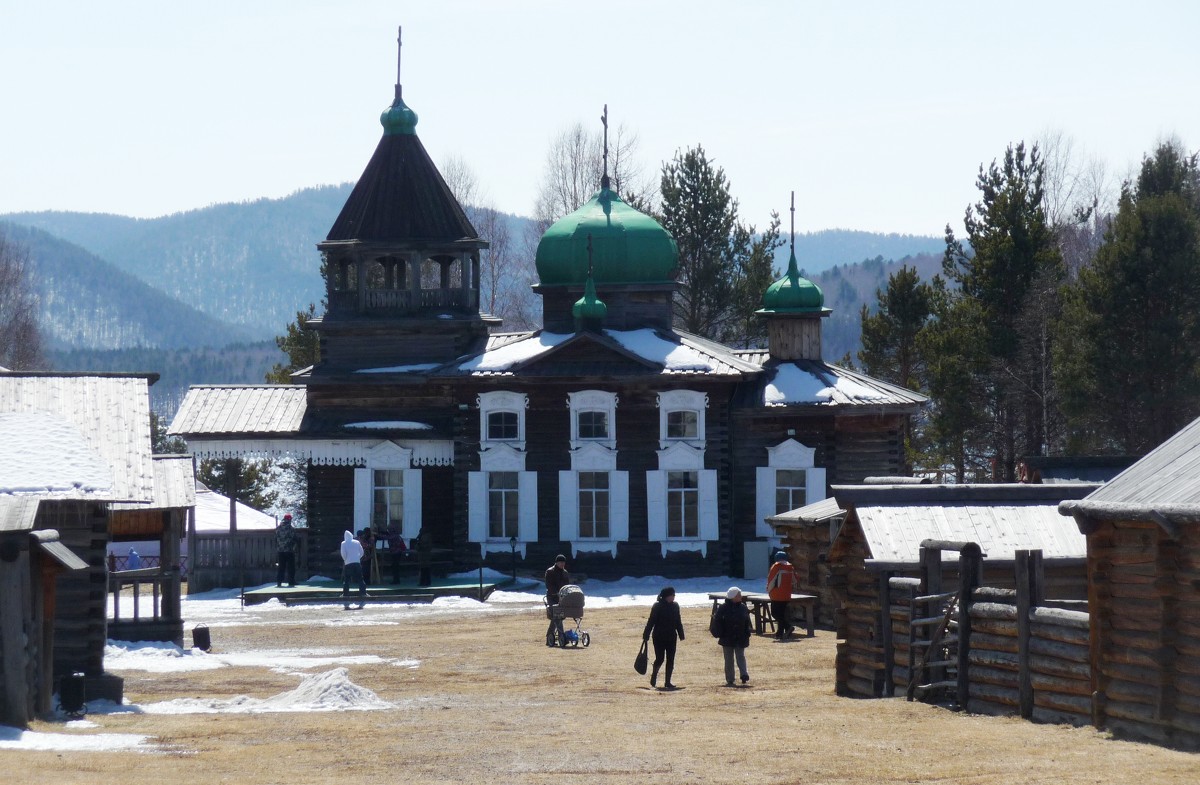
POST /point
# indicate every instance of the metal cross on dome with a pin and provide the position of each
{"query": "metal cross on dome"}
(604, 181)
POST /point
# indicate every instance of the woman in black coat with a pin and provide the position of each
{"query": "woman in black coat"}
(663, 625)
(733, 621)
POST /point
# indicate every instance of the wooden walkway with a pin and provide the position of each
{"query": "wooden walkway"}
(319, 592)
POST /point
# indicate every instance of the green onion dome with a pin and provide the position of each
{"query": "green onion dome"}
(398, 118)
(793, 294)
(628, 247)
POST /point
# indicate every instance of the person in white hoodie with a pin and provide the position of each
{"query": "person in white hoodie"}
(352, 553)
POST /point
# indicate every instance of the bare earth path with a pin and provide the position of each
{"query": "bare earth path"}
(489, 703)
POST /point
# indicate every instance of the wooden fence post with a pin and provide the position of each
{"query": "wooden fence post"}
(970, 566)
(1025, 591)
(885, 632)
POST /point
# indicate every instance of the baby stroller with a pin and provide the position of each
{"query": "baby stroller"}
(570, 606)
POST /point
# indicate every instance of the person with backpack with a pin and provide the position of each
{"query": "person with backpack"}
(781, 580)
(730, 625)
(663, 626)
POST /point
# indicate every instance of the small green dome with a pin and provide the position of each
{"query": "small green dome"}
(398, 118)
(589, 307)
(793, 294)
(627, 246)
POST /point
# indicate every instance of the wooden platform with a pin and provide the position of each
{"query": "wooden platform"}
(318, 592)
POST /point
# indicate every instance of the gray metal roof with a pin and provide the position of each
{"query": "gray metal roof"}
(107, 414)
(174, 484)
(18, 513)
(810, 513)
(1166, 481)
(240, 409)
(1002, 519)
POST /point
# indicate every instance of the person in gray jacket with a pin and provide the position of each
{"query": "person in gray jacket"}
(733, 619)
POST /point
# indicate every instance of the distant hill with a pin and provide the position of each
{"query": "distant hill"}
(178, 368)
(252, 264)
(817, 252)
(88, 304)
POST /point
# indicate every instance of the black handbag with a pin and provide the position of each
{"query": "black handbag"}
(641, 660)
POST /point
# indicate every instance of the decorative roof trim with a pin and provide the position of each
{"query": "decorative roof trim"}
(322, 452)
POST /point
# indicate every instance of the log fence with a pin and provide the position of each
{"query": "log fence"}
(985, 649)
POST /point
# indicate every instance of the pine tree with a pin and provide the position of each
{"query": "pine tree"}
(1129, 357)
(723, 268)
(302, 347)
(1015, 258)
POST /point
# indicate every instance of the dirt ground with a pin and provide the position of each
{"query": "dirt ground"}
(490, 703)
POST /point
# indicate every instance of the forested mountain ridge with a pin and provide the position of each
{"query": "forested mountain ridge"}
(252, 263)
(88, 304)
(848, 287)
(817, 252)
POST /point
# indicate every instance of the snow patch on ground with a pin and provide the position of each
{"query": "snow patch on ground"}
(156, 657)
(17, 739)
(329, 691)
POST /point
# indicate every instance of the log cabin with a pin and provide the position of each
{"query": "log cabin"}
(70, 445)
(880, 540)
(609, 434)
(1143, 563)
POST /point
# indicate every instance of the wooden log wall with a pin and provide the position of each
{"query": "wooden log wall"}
(1146, 600)
(1053, 660)
(808, 548)
(860, 650)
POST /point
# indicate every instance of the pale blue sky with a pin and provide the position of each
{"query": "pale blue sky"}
(878, 114)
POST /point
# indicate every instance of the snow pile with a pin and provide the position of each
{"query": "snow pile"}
(17, 739)
(329, 691)
(41, 453)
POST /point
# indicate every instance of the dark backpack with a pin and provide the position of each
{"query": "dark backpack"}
(714, 623)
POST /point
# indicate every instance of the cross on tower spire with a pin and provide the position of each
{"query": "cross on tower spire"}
(604, 181)
(793, 223)
(399, 44)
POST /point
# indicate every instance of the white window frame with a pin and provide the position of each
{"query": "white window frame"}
(388, 456)
(788, 454)
(593, 401)
(592, 457)
(501, 401)
(501, 457)
(679, 456)
(681, 401)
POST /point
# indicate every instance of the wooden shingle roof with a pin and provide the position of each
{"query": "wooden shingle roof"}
(1001, 518)
(1165, 482)
(97, 439)
(401, 197)
(234, 409)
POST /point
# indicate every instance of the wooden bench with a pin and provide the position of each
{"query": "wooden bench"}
(760, 608)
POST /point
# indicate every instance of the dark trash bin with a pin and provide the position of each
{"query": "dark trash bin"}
(200, 638)
(72, 695)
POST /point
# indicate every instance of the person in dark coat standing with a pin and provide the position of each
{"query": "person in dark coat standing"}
(285, 547)
(663, 626)
(734, 624)
(556, 578)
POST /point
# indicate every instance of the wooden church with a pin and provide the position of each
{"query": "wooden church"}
(607, 435)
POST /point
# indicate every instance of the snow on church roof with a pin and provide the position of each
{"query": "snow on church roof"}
(685, 354)
(816, 383)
